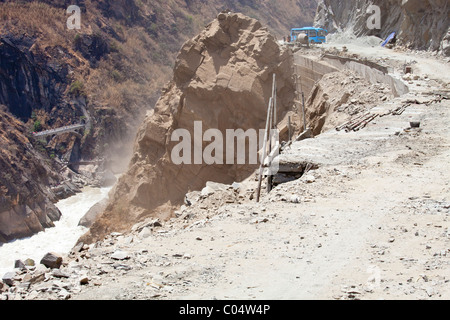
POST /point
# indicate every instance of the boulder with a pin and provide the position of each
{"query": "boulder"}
(52, 260)
(222, 78)
(89, 218)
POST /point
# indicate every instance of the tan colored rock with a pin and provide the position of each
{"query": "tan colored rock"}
(222, 77)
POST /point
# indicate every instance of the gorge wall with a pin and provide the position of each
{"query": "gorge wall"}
(114, 66)
(26, 204)
(223, 78)
(420, 24)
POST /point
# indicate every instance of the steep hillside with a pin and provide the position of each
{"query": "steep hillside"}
(113, 67)
(420, 24)
(25, 202)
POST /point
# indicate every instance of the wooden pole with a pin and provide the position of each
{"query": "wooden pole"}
(263, 155)
(290, 128)
(274, 96)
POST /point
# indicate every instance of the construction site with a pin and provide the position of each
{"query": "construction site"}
(349, 201)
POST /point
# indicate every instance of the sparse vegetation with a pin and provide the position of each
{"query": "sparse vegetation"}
(37, 126)
(77, 88)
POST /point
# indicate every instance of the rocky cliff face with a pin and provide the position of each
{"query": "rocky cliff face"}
(223, 78)
(420, 24)
(114, 67)
(26, 202)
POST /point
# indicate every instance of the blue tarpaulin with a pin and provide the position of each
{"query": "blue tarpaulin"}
(391, 36)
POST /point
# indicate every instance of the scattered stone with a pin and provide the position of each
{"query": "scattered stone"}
(8, 278)
(84, 281)
(120, 255)
(236, 186)
(19, 264)
(64, 294)
(38, 277)
(52, 261)
(57, 273)
(309, 178)
(145, 233)
(58, 285)
(115, 234)
(123, 267)
(78, 247)
(261, 220)
(29, 263)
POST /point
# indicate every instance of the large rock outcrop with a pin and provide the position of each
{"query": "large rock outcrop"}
(420, 24)
(26, 202)
(223, 78)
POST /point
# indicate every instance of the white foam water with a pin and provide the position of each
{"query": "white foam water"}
(60, 239)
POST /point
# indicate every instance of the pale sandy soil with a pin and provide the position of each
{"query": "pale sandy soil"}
(373, 225)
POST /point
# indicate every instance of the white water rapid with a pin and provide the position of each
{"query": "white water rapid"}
(60, 239)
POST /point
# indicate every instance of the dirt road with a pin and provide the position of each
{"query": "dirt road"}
(371, 223)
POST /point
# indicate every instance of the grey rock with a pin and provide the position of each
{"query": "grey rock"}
(64, 294)
(145, 233)
(57, 273)
(8, 278)
(19, 264)
(37, 277)
(52, 260)
(78, 247)
(89, 218)
(120, 255)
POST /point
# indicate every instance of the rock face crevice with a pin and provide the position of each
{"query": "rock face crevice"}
(223, 78)
(420, 24)
(26, 82)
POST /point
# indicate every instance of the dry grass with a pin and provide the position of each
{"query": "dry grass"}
(35, 19)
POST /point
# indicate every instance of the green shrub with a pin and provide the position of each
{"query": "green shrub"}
(37, 126)
(77, 88)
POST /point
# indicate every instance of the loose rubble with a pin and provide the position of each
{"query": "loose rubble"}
(367, 219)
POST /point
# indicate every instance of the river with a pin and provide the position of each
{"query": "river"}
(60, 239)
